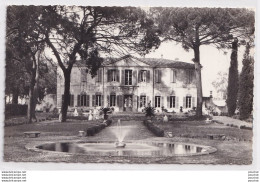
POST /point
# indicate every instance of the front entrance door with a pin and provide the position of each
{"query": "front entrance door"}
(128, 102)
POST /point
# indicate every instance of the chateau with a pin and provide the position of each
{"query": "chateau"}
(130, 84)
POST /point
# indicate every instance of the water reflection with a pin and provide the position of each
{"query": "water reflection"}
(156, 149)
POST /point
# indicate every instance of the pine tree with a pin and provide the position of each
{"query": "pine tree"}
(246, 85)
(232, 89)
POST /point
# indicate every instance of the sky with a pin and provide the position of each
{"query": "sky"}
(212, 60)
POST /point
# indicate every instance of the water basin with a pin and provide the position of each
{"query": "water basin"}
(135, 149)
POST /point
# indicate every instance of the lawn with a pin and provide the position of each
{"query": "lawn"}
(235, 149)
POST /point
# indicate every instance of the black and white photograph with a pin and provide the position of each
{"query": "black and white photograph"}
(129, 85)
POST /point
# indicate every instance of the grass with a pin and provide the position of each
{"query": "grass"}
(238, 150)
(200, 129)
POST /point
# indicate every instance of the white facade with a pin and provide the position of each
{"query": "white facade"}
(129, 84)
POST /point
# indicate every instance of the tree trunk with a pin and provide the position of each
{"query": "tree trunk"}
(15, 95)
(65, 102)
(33, 92)
(198, 81)
(30, 113)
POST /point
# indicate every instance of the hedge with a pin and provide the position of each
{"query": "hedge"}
(15, 110)
(154, 129)
(97, 128)
(246, 127)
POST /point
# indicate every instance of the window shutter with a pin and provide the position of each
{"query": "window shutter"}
(147, 100)
(108, 100)
(172, 73)
(117, 101)
(162, 101)
(193, 102)
(102, 100)
(134, 77)
(186, 78)
(117, 76)
(72, 100)
(148, 76)
(176, 102)
(184, 102)
(174, 76)
(168, 101)
(78, 101)
(123, 77)
(120, 101)
(100, 74)
(93, 100)
(139, 75)
(156, 76)
(134, 102)
(159, 76)
(87, 100)
(108, 75)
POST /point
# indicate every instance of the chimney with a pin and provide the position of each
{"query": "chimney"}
(210, 94)
(161, 56)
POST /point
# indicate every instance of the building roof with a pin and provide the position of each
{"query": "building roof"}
(153, 62)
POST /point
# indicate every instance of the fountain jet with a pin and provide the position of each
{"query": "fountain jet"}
(120, 136)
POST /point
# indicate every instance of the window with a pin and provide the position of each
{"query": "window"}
(71, 100)
(143, 75)
(83, 100)
(128, 77)
(112, 100)
(98, 100)
(113, 75)
(188, 102)
(190, 75)
(172, 101)
(142, 101)
(157, 101)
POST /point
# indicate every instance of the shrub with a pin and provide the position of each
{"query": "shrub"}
(77, 117)
(97, 128)
(108, 122)
(15, 110)
(246, 127)
(90, 131)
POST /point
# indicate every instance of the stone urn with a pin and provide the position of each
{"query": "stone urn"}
(165, 119)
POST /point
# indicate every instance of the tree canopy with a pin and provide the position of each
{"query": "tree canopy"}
(84, 33)
(194, 27)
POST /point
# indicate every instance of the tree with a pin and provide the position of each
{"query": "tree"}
(232, 89)
(194, 27)
(220, 84)
(85, 32)
(25, 44)
(246, 85)
(17, 75)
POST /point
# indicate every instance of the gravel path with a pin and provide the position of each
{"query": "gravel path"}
(134, 130)
(228, 120)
